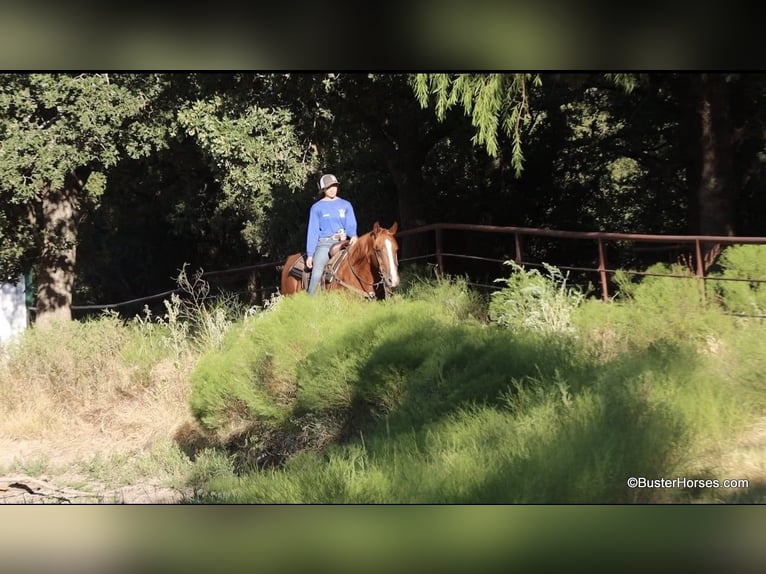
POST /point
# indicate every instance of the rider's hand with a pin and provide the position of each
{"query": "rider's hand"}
(309, 262)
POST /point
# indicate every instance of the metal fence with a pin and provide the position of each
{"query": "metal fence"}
(697, 252)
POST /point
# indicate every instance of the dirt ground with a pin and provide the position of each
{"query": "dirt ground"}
(747, 459)
(68, 486)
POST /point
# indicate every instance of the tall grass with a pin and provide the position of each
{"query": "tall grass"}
(108, 395)
(431, 404)
(436, 395)
(547, 439)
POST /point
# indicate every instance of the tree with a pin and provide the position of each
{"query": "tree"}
(716, 143)
(62, 134)
(493, 101)
(251, 150)
(59, 136)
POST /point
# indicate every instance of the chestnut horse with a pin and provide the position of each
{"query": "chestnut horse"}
(369, 268)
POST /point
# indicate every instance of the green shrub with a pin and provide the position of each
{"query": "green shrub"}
(742, 262)
(346, 363)
(451, 293)
(533, 301)
(417, 402)
(672, 308)
(553, 437)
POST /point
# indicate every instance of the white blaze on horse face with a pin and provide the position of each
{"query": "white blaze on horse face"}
(391, 264)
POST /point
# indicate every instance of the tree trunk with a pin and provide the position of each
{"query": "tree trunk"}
(404, 160)
(410, 208)
(716, 194)
(55, 278)
(690, 148)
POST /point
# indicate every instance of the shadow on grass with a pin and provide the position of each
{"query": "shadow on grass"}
(413, 373)
(755, 493)
(396, 375)
(608, 428)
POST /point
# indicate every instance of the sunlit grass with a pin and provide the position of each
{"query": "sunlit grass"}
(446, 411)
(418, 399)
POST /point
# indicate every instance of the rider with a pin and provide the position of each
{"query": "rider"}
(331, 219)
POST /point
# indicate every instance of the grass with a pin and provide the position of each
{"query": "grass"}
(547, 441)
(429, 397)
(436, 406)
(101, 402)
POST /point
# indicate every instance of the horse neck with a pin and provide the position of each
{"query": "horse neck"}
(361, 258)
(362, 250)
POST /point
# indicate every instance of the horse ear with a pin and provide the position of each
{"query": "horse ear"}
(376, 228)
(394, 227)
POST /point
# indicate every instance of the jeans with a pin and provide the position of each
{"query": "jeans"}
(321, 257)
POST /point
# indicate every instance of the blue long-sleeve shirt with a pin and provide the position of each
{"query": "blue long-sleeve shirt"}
(326, 218)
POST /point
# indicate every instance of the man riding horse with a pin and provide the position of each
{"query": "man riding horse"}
(337, 258)
(331, 219)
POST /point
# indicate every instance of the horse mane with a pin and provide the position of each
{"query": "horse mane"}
(363, 246)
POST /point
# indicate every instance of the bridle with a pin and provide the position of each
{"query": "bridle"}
(369, 294)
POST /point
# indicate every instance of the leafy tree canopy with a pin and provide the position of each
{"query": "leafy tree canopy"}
(494, 102)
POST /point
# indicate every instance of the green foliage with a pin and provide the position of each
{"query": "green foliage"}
(741, 359)
(54, 124)
(250, 151)
(54, 127)
(741, 262)
(346, 364)
(194, 322)
(550, 438)
(627, 82)
(533, 301)
(452, 293)
(437, 408)
(411, 401)
(670, 308)
(494, 101)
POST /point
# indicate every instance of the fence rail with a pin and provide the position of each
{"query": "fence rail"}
(703, 248)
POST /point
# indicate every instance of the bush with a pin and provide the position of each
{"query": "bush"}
(742, 262)
(453, 294)
(533, 301)
(331, 365)
(669, 308)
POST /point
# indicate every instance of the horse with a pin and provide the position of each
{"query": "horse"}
(369, 267)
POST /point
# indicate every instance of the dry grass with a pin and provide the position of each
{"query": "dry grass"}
(74, 382)
(68, 396)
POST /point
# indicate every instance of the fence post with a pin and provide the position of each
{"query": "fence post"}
(602, 270)
(439, 256)
(700, 267)
(255, 289)
(518, 248)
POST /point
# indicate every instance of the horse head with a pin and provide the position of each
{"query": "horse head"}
(386, 250)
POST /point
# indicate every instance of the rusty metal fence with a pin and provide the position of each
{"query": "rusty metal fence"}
(697, 252)
(259, 281)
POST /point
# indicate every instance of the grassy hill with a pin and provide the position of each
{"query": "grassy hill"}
(537, 394)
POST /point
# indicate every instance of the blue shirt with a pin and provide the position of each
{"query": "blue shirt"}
(326, 218)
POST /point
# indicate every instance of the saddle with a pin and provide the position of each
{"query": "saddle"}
(338, 252)
(300, 272)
